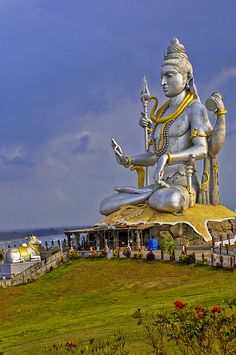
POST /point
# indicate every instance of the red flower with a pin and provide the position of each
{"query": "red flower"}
(199, 308)
(179, 304)
(200, 314)
(216, 309)
(71, 344)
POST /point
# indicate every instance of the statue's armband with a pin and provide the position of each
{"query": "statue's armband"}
(200, 124)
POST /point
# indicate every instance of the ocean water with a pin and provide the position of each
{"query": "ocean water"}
(49, 238)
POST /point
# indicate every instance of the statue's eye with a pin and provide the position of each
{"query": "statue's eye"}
(169, 75)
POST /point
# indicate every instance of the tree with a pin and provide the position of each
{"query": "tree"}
(168, 245)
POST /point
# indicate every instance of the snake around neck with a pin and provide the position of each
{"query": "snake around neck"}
(166, 121)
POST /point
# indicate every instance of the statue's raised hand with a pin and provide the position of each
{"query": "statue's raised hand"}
(215, 102)
(145, 122)
(120, 158)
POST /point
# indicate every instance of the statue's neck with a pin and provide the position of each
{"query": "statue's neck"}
(176, 100)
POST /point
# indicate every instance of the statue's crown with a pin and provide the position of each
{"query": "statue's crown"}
(175, 50)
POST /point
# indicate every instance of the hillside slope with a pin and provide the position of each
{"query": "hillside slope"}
(86, 298)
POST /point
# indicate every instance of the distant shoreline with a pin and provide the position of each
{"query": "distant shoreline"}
(16, 234)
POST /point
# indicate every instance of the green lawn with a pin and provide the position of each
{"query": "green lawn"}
(86, 298)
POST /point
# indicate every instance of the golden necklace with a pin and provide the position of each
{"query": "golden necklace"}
(167, 121)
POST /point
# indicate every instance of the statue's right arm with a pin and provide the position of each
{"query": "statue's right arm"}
(145, 159)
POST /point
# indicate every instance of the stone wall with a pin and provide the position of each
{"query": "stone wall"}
(224, 230)
(35, 271)
(179, 232)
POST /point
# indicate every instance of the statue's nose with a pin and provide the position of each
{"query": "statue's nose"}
(163, 80)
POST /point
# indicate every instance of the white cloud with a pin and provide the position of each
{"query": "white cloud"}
(12, 153)
(221, 78)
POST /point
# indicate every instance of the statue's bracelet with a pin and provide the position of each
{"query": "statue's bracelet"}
(222, 112)
(127, 165)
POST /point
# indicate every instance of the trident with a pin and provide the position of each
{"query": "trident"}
(144, 97)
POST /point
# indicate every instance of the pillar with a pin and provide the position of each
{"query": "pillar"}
(138, 238)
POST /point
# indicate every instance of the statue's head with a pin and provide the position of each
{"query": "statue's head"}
(33, 240)
(176, 70)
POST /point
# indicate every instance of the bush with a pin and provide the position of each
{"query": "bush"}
(218, 265)
(114, 346)
(104, 253)
(93, 254)
(199, 263)
(138, 255)
(73, 254)
(116, 253)
(190, 330)
(127, 252)
(150, 256)
(187, 259)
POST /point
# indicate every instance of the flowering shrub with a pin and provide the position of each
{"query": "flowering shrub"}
(187, 259)
(150, 256)
(189, 330)
(73, 254)
(198, 308)
(205, 262)
(93, 254)
(116, 253)
(180, 304)
(104, 252)
(70, 345)
(115, 346)
(138, 255)
(127, 252)
(216, 309)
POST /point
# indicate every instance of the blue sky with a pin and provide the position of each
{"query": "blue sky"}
(70, 79)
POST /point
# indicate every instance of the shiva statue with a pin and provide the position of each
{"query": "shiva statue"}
(179, 133)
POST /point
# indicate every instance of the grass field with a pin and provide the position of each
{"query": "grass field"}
(95, 297)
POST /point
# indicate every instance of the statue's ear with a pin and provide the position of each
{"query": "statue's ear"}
(189, 80)
(191, 85)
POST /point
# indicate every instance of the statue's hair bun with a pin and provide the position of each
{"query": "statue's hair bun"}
(177, 56)
(176, 50)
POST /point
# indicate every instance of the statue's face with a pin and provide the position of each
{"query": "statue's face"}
(173, 83)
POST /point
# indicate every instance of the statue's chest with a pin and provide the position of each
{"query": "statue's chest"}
(165, 132)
